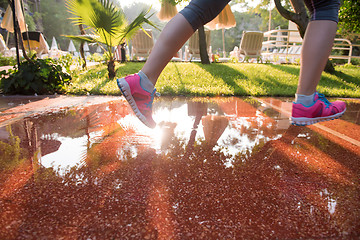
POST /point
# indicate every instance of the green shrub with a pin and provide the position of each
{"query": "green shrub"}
(41, 76)
(96, 57)
(66, 61)
(355, 61)
(7, 61)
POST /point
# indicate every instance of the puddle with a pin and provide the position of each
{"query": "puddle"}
(12, 101)
(214, 168)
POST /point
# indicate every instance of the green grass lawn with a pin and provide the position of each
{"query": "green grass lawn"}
(239, 79)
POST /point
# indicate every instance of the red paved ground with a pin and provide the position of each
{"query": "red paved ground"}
(218, 168)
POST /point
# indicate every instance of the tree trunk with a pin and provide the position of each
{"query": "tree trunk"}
(122, 53)
(301, 19)
(111, 69)
(21, 44)
(202, 45)
(82, 54)
(329, 67)
(18, 38)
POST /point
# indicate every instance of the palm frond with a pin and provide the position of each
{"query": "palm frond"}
(98, 14)
(129, 31)
(86, 38)
(106, 16)
(106, 20)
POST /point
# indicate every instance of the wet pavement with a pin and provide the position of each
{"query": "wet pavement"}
(213, 168)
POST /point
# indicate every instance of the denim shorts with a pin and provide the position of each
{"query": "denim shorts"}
(200, 12)
(323, 9)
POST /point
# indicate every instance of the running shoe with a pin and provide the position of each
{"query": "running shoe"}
(321, 110)
(139, 99)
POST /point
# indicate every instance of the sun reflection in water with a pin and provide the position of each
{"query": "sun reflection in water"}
(68, 155)
(178, 120)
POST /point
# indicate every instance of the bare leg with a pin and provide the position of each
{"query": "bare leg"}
(171, 39)
(310, 108)
(318, 41)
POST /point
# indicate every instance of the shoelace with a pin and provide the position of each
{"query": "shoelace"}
(323, 99)
(152, 95)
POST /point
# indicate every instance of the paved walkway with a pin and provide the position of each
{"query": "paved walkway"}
(214, 168)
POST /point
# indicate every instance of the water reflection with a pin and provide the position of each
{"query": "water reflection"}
(219, 168)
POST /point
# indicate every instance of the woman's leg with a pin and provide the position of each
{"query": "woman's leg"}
(317, 45)
(171, 39)
(309, 106)
(178, 31)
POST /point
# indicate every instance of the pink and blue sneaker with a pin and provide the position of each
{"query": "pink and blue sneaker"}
(321, 110)
(139, 99)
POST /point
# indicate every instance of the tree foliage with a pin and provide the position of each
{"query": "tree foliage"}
(56, 23)
(262, 10)
(349, 16)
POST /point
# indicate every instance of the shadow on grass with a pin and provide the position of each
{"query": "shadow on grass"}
(345, 81)
(273, 86)
(264, 86)
(287, 68)
(347, 78)
(181, 89)
(227, 74)
(341, 81)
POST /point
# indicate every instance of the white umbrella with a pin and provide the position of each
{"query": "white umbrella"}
(167, 11)
(86, 47)
(98, 50)
(224, 20)
(71, 47)
(54, 44)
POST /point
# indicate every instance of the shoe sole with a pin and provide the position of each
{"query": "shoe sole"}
(125, 90)
(309, 121)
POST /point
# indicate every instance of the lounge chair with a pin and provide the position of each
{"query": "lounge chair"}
(250, 45)
(193, 49)
(294, 35)
(35, 41)
(142, 43)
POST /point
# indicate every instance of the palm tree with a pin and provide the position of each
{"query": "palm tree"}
(107, 24)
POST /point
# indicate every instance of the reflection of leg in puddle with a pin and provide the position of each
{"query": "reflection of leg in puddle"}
(168, 133)
(197, 109)
(291, 133)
